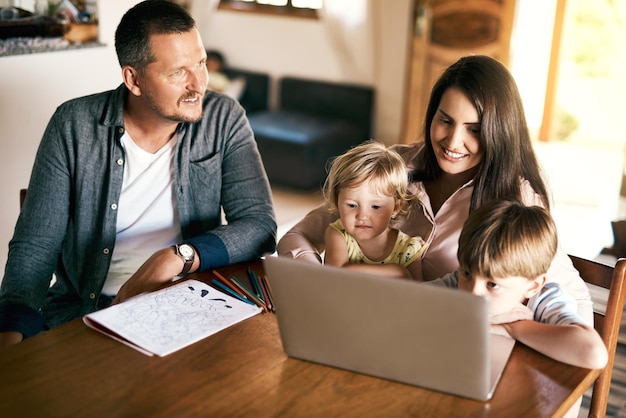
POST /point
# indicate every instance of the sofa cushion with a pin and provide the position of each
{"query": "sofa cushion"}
(300, 128)
(350, 102)
(297, 147)
(314, 121)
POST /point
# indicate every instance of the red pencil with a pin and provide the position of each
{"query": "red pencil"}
(266, 295)
(266, 284)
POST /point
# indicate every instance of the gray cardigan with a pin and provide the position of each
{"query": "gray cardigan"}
(68, 222)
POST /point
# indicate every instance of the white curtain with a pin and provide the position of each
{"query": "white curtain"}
(350, 25)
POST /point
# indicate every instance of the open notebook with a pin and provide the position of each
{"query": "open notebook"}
(401, 330)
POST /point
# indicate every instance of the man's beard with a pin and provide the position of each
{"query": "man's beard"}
(176, 117)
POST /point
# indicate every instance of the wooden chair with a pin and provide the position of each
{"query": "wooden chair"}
(607, 325)
(22, 197)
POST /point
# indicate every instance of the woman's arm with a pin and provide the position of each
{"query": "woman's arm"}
(415, 270)
(305, 240)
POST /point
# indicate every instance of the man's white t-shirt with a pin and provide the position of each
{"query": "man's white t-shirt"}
(147, 219)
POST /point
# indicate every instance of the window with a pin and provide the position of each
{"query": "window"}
(297, 8)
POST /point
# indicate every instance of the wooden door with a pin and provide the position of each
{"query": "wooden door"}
(444, 31)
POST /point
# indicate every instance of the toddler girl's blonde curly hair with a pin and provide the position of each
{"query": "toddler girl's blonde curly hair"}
(370, 162)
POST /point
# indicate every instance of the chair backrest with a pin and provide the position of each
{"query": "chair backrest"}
(22, 197)
(607, 325)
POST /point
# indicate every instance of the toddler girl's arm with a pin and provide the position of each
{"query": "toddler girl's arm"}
(336, 248)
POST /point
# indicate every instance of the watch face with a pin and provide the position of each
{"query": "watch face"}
(186, 251)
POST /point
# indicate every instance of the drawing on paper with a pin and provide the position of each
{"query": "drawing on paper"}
(174, 317)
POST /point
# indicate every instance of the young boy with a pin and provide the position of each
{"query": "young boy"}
(505, 249)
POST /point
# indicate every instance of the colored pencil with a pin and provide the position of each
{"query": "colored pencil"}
(266, 296)
(230, 292)
(229, 284)
(268, 288)
(248, 293)
(256, 286)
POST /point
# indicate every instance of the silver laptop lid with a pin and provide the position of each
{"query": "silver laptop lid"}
(395, 329)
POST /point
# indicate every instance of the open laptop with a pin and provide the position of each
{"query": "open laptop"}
(401, 330)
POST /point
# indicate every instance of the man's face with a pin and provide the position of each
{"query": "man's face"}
(174, 84)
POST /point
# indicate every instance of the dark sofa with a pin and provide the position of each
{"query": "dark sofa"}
(256, 93)
(315, 121)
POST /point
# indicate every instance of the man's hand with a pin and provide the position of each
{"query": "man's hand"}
(159, 269)
(10, 338)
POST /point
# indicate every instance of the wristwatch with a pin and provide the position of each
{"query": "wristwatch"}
(187, 253)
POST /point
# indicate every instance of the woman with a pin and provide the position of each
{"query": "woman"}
(477, 148)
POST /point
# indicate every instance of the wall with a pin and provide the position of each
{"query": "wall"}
(293, 46)
(301, 47)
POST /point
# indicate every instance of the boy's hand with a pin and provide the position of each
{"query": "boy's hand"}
(519, 312)
(499, 329)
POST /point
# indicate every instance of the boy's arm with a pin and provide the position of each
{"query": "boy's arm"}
(576, 344)
(556, 329)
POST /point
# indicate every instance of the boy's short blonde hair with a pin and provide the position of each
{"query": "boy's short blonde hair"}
(504, 239)
(373, 162)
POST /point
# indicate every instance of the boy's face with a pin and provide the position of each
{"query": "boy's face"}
(504, 294)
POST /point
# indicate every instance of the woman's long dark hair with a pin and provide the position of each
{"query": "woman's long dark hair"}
(508, 155)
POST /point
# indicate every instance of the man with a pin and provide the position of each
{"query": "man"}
(128, 186)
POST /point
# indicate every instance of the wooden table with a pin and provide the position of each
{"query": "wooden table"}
(73, 371)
